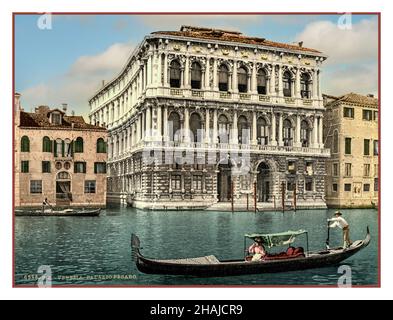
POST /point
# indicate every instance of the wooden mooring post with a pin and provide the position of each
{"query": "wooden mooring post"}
(283, 196)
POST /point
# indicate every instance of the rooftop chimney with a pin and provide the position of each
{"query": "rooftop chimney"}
(103, 83)
(300, 43)
(64, 107)
(72, 112)
(370, 95)
(17, 101)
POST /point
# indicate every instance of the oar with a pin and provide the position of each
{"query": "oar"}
(328, 237)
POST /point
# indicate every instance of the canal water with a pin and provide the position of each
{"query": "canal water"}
(96, 250)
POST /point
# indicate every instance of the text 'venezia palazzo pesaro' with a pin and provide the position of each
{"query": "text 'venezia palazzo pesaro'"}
(200, 114)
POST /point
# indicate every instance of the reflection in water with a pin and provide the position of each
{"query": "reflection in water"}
(100, 246)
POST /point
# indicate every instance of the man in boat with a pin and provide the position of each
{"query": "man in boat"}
(257, 250)
(339, 221)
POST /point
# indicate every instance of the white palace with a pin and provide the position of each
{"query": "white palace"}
(200, 116)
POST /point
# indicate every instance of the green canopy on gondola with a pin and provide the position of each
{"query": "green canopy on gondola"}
(276, 239)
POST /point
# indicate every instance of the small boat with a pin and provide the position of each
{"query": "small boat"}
(58, 213)
(210, 266)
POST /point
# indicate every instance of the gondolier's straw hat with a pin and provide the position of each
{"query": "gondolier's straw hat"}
(338, 213)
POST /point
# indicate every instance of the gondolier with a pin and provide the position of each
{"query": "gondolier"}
(339, 221)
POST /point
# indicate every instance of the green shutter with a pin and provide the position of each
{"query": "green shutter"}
(54, 148)
(84, 167)
(62, 148)
(72, 148)
(75, 167)
(95, 167)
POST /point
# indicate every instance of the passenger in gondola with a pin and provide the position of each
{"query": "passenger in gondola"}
(257, 250)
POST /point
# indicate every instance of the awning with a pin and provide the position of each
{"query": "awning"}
(276, 239)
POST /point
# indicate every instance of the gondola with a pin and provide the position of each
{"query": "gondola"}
(210, 266)
(58, 213)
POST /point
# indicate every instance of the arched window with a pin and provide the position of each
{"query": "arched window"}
(243, 128)
(174, 126)
(242, 80)
(175, 74)
(196, 76)
(79, 145)
(261, 81)
(67, 148)
(287, 84)
(223, 129)
(288, 133)
(195, 126)
(25, 144)
(335, 141)
(58, 148)
(101, 145)
(46, 144)
(262, 132)
(223, 78)
(304, 134)
(305, 86)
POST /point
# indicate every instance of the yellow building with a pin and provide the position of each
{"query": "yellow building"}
(58, 157)
(351, 133)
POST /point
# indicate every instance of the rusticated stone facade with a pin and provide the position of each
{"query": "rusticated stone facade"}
(197, 111)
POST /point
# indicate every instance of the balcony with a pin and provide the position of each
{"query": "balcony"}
(197, 93)
(225, 95)
(148, 146)
(245, 96)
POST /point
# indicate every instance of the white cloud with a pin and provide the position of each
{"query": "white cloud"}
(80, 82)
(343, 45)
(352, 65)
(361, 79)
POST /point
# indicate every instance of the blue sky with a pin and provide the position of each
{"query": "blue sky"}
(67, 62)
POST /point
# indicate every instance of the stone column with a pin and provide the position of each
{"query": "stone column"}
(166, 137)
(207, 74)
(187, 74)
(157, 79)
(254, 128)
(234, 78)
(280, 129)
(148, 130)
(166, 83)
(273, 140)
(315, 133)
(159, 123)
(273, 81)
(292, 88)
(137, 129)
(215, 76)
(319, 85)
(131, 135)
(215, 126)
(142, 127)
(297, 140)
(315, 84)
(249, 83)
(280, 84)
(109, 148)
(186, 125)
(234, 129)
(320, 134)
(149, 69)
(207, 126)
(297, 84)
(128, 138)
(144, 81)
(254, 79)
